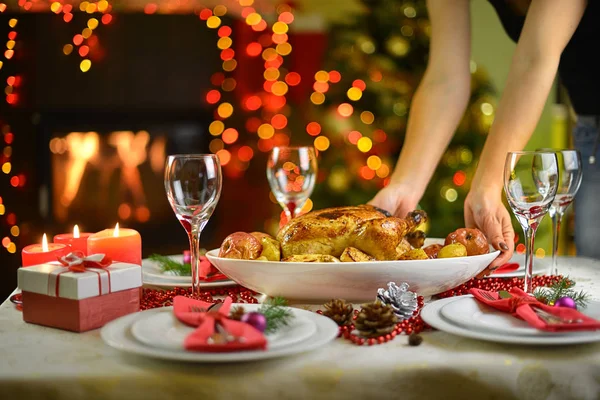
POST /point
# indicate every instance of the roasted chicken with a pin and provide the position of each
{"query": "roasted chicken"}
(330, 231)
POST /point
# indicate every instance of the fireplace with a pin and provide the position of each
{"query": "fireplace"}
(106, 167)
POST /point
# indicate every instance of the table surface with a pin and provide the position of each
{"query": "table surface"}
(38, 362)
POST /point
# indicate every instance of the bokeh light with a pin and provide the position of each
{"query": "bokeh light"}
(354, 94)
(354, 136)
(225, 110)
(364, 144)
(317, 98)
(266, 131)
(230, 135)
(293, 78)
(374, 162)
(216, 128)
(345, 110)
(313, 128)
(321, 143)
(85, 65)
(279, 121)
(213, 96)
(224, 156)
(367, 117)
(459, 178)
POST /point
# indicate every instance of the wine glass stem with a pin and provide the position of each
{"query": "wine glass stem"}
(556, 221)
(194, 237)
(529, 252)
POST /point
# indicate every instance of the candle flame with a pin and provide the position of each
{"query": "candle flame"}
(44, 243)
(76, 231)
(116, 231)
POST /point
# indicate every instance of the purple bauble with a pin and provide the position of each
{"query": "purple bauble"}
(255, 319)
(566, 302)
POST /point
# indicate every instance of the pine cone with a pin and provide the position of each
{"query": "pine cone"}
(403, 302)
(236, 313)
(375, 319)
(340, 311)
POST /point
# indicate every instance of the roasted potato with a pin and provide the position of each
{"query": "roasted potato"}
(453, 250)
(311, 258)
(473, 239)
(352, 254)
(270, 246)
(241, 246)
(414, 254)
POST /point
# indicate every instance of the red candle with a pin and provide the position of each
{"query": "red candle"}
(77, 241)
(35, 254)
(124, 245)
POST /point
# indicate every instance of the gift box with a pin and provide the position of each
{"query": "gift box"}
(77, 298)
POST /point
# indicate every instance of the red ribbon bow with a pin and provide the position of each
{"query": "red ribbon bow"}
(77, 262)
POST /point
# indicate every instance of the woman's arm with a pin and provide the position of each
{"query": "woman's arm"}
(437, 106)
(548, 28)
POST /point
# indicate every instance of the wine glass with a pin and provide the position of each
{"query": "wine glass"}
(292, 172)
(193, 185)
(530, 184)
(569, 178)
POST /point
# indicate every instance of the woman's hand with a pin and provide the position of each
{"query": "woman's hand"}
(484, 210)
(397, 199)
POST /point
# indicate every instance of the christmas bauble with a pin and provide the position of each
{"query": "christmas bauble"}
(566, 302)
(256, 320)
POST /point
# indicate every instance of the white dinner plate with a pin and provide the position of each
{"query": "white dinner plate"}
(317, 282)
(472, 314)
(153, 275)
(117, 334)
(165, 331)
(540, 266)
(431, 314)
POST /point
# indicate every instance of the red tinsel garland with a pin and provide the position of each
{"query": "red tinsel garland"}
(153, 298)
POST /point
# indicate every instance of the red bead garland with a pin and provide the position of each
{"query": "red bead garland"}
(497, 284)
(153, 298)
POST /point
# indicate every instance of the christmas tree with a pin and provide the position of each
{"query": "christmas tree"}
(361, 102)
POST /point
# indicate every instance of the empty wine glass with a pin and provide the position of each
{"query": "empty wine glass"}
(193, 185)
(569, 179)
(530, 184)
(292, 172)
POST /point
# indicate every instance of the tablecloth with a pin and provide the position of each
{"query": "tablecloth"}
(44, 363)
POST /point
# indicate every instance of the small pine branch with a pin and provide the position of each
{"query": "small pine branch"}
(562, 288)
(276, 313)
(167, 264)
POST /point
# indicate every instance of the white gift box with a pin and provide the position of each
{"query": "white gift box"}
(54, 279)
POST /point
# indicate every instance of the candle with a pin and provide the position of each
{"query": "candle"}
(35, 254)
(124, 245)
(77, 241)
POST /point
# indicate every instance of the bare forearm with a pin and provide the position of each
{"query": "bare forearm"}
(436, 111)
(520, 107)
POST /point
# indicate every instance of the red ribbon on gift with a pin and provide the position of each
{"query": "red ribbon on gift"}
(77, 262)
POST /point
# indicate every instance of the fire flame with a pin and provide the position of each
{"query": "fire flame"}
(44, 243)
(76, 231)
(116, 231)
(131, 149)
(82, 147)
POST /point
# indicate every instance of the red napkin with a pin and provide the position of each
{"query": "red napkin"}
(521, 305)
(251, 338)
(508, 267)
